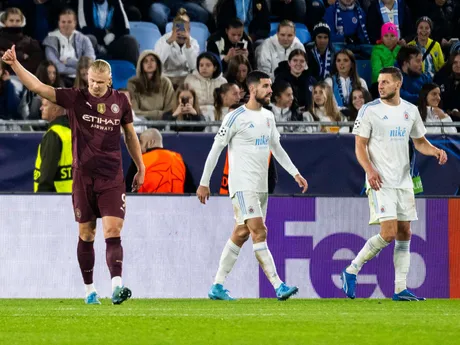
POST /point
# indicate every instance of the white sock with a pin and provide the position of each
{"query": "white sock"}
(89, 288)
(116, 281)
(265, 259)
(227, 261)
(401, 260)
(372, 247)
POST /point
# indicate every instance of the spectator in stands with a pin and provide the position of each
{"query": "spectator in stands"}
(277, 48)
(284, 106)
(390, 11)
(81, 80)
(295, 72)
(237, 72)
(294, 10)
(54, 8)
(347, 21)
(445, 15)
(231, 42)
(430, 110)
(384, 53)
(28, 50)
(165, 170)
(151, 92)
(321, 54)
(178, 50)
(344, 77)
(358, 98)
(409, 59)
(137, 128)
(30, 105)
(53, 166)
(106, 25)
(185, 108)
(205, 79)
(65, 46)
(449, 83)
(256, 19)
(224, 96)
(323, 108)
(433, 57)
(9, 99)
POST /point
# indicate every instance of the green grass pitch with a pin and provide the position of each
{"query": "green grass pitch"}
(250, 321)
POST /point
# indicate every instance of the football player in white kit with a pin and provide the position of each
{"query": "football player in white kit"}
(383, 128)
(250, 134)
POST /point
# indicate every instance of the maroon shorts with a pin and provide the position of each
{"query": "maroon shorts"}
(94, 197)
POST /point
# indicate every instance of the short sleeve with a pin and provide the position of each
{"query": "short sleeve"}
(65, 97)
(418, 128)
(127, 116)
(228, 128)
(363, 126)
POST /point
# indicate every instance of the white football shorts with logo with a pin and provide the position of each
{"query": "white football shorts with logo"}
(247, 205)
(391, 203)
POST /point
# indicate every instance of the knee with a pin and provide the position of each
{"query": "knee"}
(259, 234)
(241, 234)
(388, 237)
(112, 231)
(87, 233)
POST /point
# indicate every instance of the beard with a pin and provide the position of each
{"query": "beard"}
(413, 74)
(263, 101)
(389, 96)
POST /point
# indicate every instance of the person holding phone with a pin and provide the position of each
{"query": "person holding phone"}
(231, 42)
(178, 50)
(186, 108)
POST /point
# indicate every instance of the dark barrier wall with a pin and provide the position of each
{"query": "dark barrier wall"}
(327, 161)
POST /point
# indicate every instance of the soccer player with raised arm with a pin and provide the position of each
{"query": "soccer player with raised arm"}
(96, 114)
(382, 130)
(250, 133)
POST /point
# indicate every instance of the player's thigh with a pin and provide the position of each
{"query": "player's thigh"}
(406, 209)
(382, 205)
(389, 229)
(84, 199)
(111, 198)
(246, 206)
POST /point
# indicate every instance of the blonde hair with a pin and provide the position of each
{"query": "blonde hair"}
(101, 66)
(181, 16)
(12, 10)
(330, 106)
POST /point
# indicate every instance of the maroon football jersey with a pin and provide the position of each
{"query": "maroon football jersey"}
(95, 124)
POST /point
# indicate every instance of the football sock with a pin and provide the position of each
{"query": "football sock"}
(401, 260)
(372, 247)
(116, 281)
(85, 256)
(227, 261)
(114, 256)
(89, 288)
(265, 259)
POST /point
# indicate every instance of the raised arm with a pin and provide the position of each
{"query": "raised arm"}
(30, 81)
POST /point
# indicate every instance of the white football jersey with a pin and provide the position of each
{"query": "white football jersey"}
(388, 129)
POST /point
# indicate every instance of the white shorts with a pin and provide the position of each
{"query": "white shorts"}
(247, 205)
(391, 203)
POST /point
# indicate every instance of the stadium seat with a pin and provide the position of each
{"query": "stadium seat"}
(365, 70)
(121, 72)
(147, 34)
(302, 32)
(199, 31)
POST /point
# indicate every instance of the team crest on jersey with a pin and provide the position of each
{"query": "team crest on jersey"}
(406, 116)
(115, 108)
(77, 213)
(101, 108)
(268, 123)
(251, 209)
(382, 209)
(354, 20)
